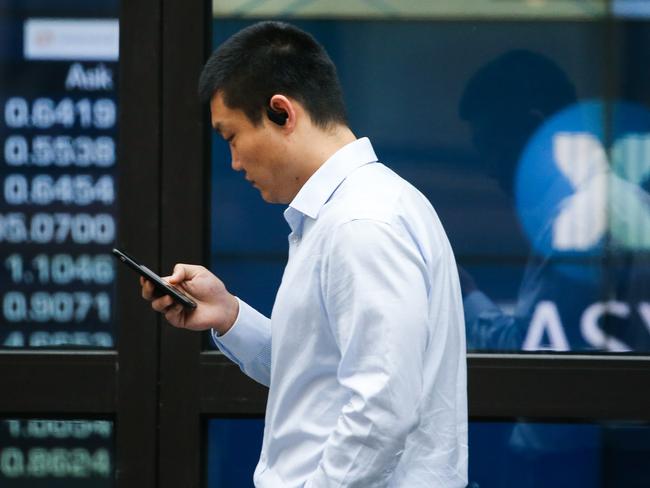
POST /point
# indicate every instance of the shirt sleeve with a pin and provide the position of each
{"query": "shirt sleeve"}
(489, 328)
(375, 290)
(248, 343)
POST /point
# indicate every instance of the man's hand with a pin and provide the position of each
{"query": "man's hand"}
(216, 308)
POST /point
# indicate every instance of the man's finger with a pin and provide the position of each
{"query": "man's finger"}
(162, 304)
(173, 314)
(179, 275)
(148, 290)
(182, 272)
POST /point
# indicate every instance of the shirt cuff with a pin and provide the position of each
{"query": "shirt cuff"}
(248, 335)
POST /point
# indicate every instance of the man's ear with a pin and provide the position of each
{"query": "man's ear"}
(282, 112)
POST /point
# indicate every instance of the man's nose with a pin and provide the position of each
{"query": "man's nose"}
(234, 161)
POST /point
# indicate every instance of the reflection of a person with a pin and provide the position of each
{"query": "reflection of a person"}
(505, 103)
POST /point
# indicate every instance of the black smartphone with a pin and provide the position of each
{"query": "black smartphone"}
(158, 283)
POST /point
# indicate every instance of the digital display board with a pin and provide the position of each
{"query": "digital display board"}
(48, 453)
(58, 174)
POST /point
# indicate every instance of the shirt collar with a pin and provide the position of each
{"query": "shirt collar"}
(318, 189)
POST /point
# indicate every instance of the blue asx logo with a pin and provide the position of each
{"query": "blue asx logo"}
(582, 180)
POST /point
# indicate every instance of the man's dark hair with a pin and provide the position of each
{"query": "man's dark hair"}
(515, 83)
(506, 101)
(269, 58)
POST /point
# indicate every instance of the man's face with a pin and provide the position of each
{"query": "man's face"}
(260, 151)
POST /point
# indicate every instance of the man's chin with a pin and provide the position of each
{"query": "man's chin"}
(268, 198)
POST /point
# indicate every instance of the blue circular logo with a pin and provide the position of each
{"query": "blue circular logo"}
(580, 184)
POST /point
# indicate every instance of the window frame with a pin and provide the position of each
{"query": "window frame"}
(500, 386)
(160, 387)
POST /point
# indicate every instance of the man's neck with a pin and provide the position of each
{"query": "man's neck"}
(317, 145)
(325, 143)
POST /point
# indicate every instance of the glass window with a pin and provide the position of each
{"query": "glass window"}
(527, 126)
(58, 173)
(50, 453)
(233, 448)
(504, 454)
(535, 454)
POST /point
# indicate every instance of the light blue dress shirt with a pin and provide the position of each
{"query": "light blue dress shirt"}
(364, 353)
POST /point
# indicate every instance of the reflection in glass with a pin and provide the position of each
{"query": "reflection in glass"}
(532, 141)
(582, 207)
(537, 455)
(50, 453)
(503, 454)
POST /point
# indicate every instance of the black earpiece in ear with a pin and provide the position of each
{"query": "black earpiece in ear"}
(277, 116)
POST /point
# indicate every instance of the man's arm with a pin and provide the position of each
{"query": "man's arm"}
(248, 343)
(242, 333)
(488, 327)
(375, 293)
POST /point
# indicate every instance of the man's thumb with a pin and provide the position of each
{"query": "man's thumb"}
(179, 275)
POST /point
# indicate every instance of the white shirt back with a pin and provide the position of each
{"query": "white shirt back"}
(367, 370)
